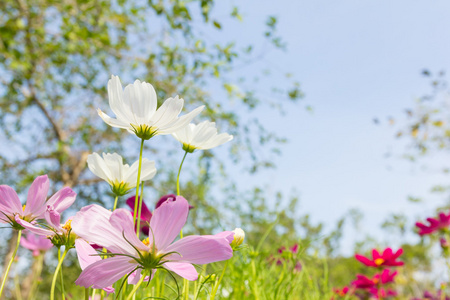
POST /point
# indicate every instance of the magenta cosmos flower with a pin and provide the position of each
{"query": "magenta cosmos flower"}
(435, 224)
(363, 282)
(386, 259)
(37, 206)
(114, 231)
(36, 243)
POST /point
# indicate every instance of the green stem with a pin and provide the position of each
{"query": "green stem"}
(55, 275)
(61, 273)
(93, 293)
(140, 209)
(179, 171)
(19, 235)
(178, 186)
(137, 185)
(86, 294)
(115, 203)
(216, 286)
(130, 296)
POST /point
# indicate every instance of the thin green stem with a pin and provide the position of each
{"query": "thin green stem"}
(216, 286)
(93, 293)
(115, 203)
(130, 296)
(137, 185)
(19, 235)
(55, 275)
(86, 294)
(179, 171)
(140, 209)
(61, 273)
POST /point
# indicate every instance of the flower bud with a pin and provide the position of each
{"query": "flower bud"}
(239, 236)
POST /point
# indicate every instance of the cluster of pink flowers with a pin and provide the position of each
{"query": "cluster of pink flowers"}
(376, 286)
(288, 256)
(439, 225)
(116, 233)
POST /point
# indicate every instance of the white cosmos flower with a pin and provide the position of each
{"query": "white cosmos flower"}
(202, 136)
(135, 110)
(120, 176)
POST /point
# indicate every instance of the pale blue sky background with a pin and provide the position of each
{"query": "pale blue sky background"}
(356, 60)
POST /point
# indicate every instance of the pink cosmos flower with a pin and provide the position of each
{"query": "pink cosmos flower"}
(36, 243)
(37, 204)
(387, 259)
(435, 224)
(114, 231)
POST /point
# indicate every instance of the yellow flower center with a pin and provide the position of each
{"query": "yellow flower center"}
(23, 207)
(68, 225)
(379, 261)
(144, 131)
(146, 242)
(189, 148)
(120, 188)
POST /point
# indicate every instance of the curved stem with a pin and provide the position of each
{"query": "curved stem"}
(130, 296)
(137, 185)
(115, 203)
(179, 171)
(216, 286)
(140, 209)
(55, 275)
(19, 235)
(61, 273)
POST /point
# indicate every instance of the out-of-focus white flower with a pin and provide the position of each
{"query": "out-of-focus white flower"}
(120, 176)
(202, 136)
(239, 236)
(135, 110)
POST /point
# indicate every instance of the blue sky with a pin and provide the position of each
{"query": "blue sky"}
(356, 60)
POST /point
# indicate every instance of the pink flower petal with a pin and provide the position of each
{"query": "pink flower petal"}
(92, 223)
(9, 202)
(200, 249)
(123, 222)
(62, 199)
(85, 253)
(37, 195)
(168, 220)
(53, 218)
(105, 272)
(34, 229)
(185, 270)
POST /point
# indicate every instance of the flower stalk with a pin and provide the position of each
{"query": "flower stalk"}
(179, 171)
(19, 235)
(216, 286)
(55, 275)
(137, 186)
(130, 296)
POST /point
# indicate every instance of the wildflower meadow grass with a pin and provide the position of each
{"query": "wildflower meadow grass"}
(132, 251)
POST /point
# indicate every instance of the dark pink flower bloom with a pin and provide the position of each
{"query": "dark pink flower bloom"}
(36, 243)
(341, 292)
(37, 205)
(114, 231)
(363, 282)
(387, 259)
(435, 224)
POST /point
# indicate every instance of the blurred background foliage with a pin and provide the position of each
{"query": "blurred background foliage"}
(55, 60)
